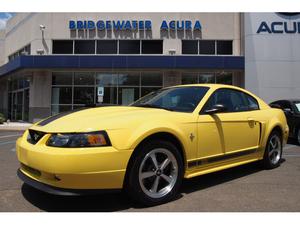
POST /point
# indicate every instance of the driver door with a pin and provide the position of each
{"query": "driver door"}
(235, 130)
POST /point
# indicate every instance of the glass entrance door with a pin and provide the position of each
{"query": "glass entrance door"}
(19, 105)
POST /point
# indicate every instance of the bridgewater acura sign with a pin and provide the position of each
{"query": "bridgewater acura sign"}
(133, 25)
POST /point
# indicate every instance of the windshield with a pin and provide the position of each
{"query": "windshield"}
(297, 104)
(180, 99)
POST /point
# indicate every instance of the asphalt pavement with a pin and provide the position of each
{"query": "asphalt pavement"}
(246, 188)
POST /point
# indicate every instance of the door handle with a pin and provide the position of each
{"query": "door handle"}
(251, 120)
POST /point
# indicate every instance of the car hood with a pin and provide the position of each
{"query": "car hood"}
(99, 118)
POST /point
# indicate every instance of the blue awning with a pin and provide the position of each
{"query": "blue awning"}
(123, 61)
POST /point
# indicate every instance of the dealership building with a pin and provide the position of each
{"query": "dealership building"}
(55, 62)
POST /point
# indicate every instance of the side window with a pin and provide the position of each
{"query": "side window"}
(252, 102)
(233, 100)
(221, 96)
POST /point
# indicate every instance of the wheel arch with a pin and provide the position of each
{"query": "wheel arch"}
(279, 129)
(157, 136)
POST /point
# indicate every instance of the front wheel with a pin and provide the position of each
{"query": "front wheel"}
(156, 173)
(273, 151)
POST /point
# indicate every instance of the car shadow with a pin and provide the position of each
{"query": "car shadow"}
(119, 201)
(292, 141)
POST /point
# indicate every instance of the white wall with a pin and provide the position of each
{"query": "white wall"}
(272, 61)
(2, 47)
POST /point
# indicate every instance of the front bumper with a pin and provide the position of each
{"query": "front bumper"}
(61, 191)
(79, 168)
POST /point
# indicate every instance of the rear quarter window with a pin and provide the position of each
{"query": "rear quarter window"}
(252, 102)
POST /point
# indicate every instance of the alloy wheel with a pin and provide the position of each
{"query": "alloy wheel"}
(158, 173)
(274, 149)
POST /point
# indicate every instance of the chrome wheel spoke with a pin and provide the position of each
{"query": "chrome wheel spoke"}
(165, 163)
(155, 185)
(271, 152)
(154, 160)
(147, 174)
(167, 178)
(273, 144)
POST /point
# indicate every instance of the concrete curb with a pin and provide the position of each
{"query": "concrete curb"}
(13, 128)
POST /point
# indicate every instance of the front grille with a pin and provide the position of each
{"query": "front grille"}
(31, 170)
(34, 136)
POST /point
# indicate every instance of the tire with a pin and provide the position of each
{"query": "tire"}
(152, 179)
(273, 151)
(298, 136)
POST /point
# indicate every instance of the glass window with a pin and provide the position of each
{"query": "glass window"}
(152, 47)
(84, 78)
(252, 102)
(152, 79)
(224, 47)
(181, 99)
(106, 79)
(189, 78)
(62, 78)
(129, 47)
(297, 104)
(62, 47)
(128, 95)
(224, 78)
(107, 47)
(189, 47)
(132, 79)
(110, 95)
(207, 47)
(207, 78)
(233, 100)
(84, 95)
(85, 47)
(62, 95)
(55, 109)
(27, 49)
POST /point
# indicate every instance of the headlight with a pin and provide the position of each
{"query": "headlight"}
(75, 140)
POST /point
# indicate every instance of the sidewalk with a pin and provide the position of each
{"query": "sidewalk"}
(15, 126)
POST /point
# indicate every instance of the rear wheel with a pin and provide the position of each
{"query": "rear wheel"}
(298, 135)
(273, 151)
(156, 173)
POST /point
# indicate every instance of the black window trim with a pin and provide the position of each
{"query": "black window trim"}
(204, 106)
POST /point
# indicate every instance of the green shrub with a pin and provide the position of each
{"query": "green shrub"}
(2, 118)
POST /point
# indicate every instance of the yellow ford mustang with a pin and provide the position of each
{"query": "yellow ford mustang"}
(147, 148)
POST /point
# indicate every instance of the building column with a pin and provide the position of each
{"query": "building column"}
(40, 96)
(4, 97)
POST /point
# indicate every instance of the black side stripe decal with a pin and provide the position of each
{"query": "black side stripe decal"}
(220, 158)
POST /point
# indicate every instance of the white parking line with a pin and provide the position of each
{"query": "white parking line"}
(289, 147)
(7, 142)
(291, 155)
(13, 135)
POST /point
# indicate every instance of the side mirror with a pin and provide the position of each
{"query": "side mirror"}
(288, 111)
(218, 108)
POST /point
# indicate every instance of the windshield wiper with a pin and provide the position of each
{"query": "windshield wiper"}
(153, 106)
